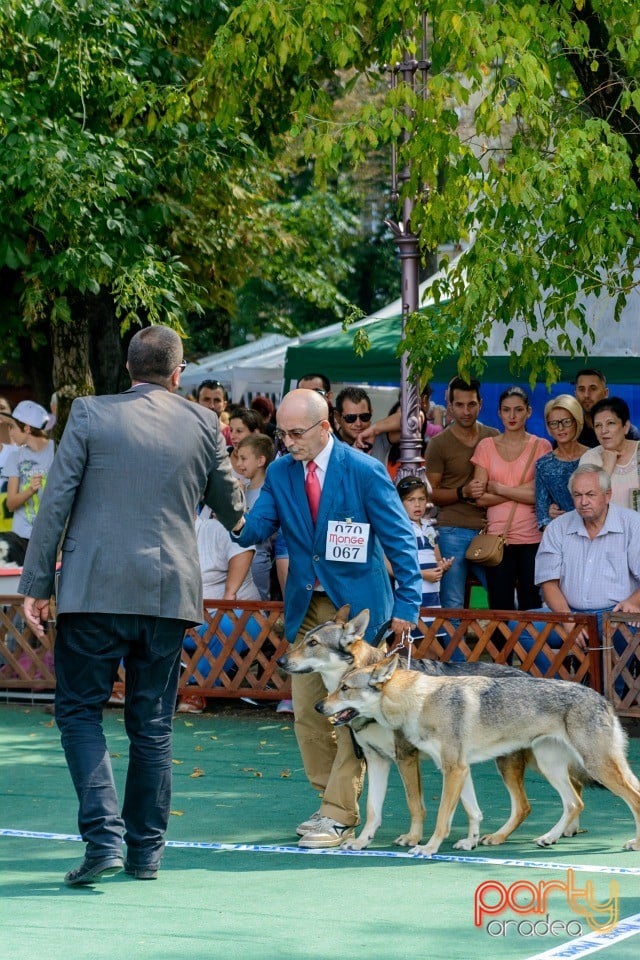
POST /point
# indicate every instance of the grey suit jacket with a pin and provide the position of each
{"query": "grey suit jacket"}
(125, 482)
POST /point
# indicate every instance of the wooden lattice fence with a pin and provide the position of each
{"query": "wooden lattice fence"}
(235, 653)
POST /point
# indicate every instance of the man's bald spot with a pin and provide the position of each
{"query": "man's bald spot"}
(305, 403)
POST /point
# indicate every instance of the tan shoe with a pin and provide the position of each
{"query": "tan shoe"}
(327, 833)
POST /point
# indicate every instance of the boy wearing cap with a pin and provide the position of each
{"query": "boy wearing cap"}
(28, 465)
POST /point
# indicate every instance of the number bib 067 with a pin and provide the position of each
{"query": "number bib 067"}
(347, 541)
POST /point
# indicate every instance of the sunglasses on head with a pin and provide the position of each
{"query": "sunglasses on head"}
(409, 483)
(352, 417)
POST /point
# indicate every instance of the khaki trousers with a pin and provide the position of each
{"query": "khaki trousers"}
(329, 759)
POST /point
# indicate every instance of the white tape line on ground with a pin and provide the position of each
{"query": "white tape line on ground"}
(339, 852)
(592, 942)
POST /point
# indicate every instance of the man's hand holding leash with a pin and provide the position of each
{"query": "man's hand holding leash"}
(401, 626)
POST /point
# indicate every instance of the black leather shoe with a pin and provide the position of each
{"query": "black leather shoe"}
(143, 872)
(92, 869)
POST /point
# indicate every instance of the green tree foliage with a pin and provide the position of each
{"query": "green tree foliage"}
(96, 133)
(123, 200)
(544, 175)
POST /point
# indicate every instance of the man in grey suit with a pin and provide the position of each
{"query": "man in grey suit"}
(123, 491)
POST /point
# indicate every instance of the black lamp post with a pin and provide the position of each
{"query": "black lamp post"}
(413, 73)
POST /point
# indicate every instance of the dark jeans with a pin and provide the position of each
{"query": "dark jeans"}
(514, 577)
(88, 651)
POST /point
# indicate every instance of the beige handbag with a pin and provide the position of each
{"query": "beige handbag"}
(488, 548)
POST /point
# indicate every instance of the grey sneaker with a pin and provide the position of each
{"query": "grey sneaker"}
(326, 833)
(309, 824)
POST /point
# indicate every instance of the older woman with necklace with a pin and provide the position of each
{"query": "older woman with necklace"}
(564, 419)
(617, 454)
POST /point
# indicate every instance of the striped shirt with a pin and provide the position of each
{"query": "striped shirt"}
(592, 574)
(427, 539)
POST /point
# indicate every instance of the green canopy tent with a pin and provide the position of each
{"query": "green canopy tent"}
(616, 351)
(335, 354)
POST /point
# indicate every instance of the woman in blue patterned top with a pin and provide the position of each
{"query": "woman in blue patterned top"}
(564, 419)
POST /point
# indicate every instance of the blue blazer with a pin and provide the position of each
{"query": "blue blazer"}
(356, 487)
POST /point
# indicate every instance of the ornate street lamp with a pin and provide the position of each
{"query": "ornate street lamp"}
(413, 73)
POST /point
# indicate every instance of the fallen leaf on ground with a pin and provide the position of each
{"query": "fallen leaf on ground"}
(198, 747)
(197, 772)
(177, 813)
(285, 773)
(177, 762)
(256, 773)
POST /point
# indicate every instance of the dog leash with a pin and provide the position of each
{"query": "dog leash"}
(382, 634)
(406, 642)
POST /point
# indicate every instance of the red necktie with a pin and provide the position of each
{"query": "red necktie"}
(312, 489)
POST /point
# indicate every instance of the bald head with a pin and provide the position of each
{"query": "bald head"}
(305, 402)
(306, 413)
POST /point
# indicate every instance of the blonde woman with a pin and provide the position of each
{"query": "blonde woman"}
(564, 418)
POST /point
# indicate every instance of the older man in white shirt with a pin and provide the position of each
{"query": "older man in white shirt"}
(589, 558)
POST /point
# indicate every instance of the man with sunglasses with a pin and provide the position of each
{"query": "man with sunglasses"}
(353, 415)
(335, 559)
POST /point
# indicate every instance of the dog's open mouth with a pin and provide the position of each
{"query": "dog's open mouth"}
(343, 716)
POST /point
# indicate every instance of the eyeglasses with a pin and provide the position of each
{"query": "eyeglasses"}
(352, 417)
(182, 365)
(296, 433)
(557, 424)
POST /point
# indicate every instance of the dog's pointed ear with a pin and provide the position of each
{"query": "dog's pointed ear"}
(355, 629)
(342, 615)
(383, 671)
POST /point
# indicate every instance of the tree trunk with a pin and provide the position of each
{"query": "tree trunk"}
(107, 346)
(604, 85)
(70, 360)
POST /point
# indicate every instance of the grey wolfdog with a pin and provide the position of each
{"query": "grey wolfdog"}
(336, 647)
(464, 720)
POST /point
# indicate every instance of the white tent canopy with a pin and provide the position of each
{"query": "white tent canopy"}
(611, 338)
(221, 366)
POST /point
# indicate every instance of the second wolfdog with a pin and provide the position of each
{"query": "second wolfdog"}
(335, 647)
(464, 720)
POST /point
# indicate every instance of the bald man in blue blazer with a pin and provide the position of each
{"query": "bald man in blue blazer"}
(336, 560)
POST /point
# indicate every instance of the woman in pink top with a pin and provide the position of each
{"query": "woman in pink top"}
(499, 465)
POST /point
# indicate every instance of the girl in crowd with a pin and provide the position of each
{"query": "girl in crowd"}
(616, 454)
(564, 418)
(242, 422)
(506, 466)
